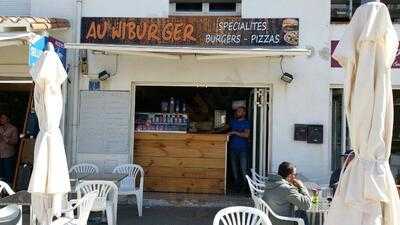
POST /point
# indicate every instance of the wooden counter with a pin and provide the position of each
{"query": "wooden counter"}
(189, 163)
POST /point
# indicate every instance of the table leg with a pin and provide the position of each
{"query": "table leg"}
(313, 217)
(321, 217)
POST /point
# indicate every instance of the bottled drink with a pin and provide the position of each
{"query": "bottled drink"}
(171, 105)
(177, 106)
(183, 107)
(314, 197)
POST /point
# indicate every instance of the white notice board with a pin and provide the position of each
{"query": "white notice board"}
(104, 128)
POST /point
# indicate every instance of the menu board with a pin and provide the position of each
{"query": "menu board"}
(199, 31)
(104, 128)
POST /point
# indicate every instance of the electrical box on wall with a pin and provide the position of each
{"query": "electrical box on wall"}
(311, 133)
(315, 134)
(300, 132)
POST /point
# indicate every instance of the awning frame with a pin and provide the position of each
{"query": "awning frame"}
(15, 38)
(202, 53)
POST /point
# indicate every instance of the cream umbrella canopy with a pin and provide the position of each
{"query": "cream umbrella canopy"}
(366, 194)
(50, 179)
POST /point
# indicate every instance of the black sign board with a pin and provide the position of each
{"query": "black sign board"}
(200, 31)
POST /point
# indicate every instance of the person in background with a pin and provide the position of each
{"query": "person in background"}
(8, 142)
(284, 192)
(334, 180)
(239, 147)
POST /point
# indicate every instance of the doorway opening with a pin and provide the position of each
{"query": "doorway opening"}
(207, 111)
(14, 103)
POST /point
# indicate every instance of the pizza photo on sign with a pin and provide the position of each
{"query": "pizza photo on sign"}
(291, 37)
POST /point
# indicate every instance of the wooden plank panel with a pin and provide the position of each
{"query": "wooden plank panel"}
(170, 172)
(188, 185)
(180, 149)
(180, 162)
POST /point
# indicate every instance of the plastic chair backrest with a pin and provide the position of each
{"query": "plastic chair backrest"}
(263, 206)
(241, 215)
(104, 188)
(257, 177)
(5, 187)
(256, 189)
(133, 170)
(84, 168)
(85, 206)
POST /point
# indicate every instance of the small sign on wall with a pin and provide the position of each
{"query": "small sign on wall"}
(300, 132)
(311, 133)
(94, 85)
(315, 134)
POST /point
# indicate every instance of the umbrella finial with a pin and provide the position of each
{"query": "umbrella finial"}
(50, 47)
(366, 1)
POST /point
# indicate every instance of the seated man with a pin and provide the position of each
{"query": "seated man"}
(283, 192)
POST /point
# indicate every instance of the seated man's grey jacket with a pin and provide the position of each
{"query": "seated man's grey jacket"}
(282, 197)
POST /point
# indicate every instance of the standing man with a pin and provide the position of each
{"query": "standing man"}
(8, 142)
(238, 147)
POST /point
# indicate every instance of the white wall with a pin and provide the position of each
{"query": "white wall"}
(307, 100)
(291, 104)
(125, 8)
(15, 7)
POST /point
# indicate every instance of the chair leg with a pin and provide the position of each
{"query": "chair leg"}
(139, 201)
(110, 216)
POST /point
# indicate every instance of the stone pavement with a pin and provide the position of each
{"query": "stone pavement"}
(172, 209)
(162, 215)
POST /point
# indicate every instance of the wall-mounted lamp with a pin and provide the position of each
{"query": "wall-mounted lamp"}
(104, 75)
(286, 77)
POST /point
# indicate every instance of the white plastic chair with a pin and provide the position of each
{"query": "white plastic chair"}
(257, 177)
(263, 206)
(106, 200)
(241, 215)
(11, 214)
(256, 189)
(128, 185)
(84, 168)
(84, 206)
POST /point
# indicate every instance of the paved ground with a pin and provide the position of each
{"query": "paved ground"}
(170, 209)
(127, 215)
(167, 216)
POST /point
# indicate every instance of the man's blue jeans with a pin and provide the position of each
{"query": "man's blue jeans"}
(7, 169)
(239, 167)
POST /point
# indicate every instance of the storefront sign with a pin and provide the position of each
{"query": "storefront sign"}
(40, 45)
(191, 31)
(335, 64)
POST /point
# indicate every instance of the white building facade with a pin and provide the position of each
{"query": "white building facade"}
(308, 99)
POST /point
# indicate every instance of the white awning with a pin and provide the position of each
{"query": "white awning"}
(15, 38)
(200, 52)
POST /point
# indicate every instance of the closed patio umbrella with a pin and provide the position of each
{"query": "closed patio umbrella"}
(50, 179)
(366, 193)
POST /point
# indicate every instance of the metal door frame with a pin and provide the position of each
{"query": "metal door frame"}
(261, 105)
